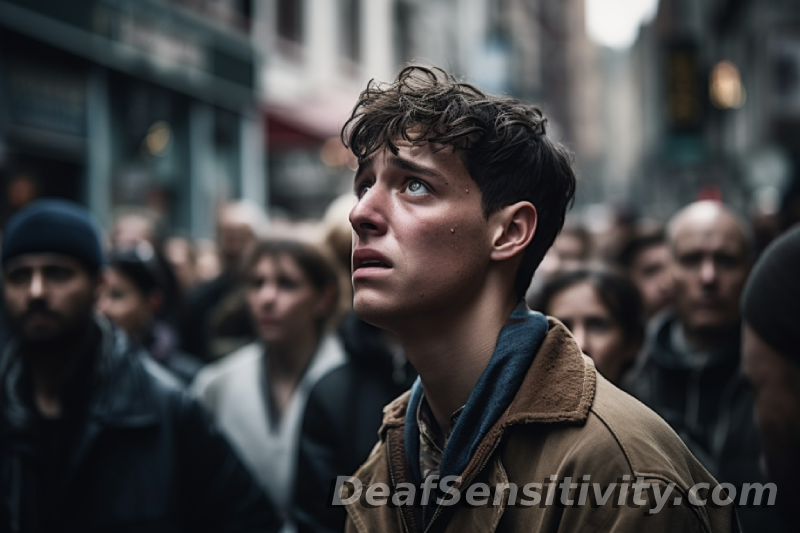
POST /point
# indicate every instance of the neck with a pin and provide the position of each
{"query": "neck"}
(50, 369)
(451, 350)
(707, 340)
(288, 360)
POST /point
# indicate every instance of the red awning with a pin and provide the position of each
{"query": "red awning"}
(305, 125)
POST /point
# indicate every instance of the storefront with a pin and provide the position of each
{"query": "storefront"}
(129, 104)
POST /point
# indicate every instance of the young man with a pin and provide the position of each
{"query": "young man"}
(93, 435)
(460, 194)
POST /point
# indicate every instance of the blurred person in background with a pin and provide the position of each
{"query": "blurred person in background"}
(646, 259)
(258, 394)
(572, 247)
(238, 226)
(771, 353)
(690, 369)
(207, 260)
(94, 436)
(345, 408)
(602, 310)
(133, 225)
(616, 230)
(181, 256)
(135, 298)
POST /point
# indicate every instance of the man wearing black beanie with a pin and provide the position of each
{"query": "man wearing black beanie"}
(771, 361)
(92, 437)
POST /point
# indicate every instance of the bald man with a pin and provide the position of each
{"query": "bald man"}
(690, 370)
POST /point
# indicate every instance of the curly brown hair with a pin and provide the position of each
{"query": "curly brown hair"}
(503, 144)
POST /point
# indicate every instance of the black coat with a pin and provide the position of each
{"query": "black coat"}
(144, 456)
(342, 418)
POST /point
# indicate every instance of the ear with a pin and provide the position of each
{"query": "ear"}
(513, 229)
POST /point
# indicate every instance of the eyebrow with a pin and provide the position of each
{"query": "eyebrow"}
(399, 162)
(410, 166)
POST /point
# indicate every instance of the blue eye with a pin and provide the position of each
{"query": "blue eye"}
(417, 188)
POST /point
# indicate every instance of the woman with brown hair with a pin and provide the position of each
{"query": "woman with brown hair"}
(258, 393)
(603, 311)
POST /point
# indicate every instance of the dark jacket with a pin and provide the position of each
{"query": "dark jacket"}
(134, 453)
(161, 342)
(707, 402)
(216, 321)
(342, 418)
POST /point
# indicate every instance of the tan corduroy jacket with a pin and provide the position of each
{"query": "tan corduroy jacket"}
(565, 421)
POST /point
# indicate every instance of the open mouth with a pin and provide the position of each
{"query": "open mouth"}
(372, 264)
(366, 258)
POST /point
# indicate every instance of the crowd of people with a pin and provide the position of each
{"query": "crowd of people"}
(148, 381)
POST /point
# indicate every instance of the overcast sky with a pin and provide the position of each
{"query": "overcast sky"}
(615, 23)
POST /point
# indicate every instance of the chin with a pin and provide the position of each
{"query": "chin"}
(375, 313)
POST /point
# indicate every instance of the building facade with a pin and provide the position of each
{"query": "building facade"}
(718, 86)
(114, 103)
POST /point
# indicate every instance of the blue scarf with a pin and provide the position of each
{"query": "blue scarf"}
(517, 345)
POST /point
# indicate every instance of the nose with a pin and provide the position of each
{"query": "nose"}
(36, 288)
(267, 294)
(368, 215)
(708, 271)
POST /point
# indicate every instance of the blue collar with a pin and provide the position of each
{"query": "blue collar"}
(517, 344)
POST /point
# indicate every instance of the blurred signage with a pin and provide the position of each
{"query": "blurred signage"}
(685, 104)
(683, 88)
(165, 45)
(184, 37)
(785, 64)
(44, 97)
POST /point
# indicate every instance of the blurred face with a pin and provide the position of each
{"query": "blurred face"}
(421, 244)
(179, 253)
(124, 304)
(49, 298)
(131, 230)
(283, 303)
(597, 333)
(570, 249)
(776, 383)
(234, 235)
(709, 268)
(650, 273)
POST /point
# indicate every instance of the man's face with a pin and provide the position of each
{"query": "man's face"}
(49, 297)
(775, 380)
(650, 273)
(709, 268)
(421, 245)
(234, 235)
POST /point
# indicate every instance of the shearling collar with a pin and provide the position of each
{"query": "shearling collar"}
(559, 387)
